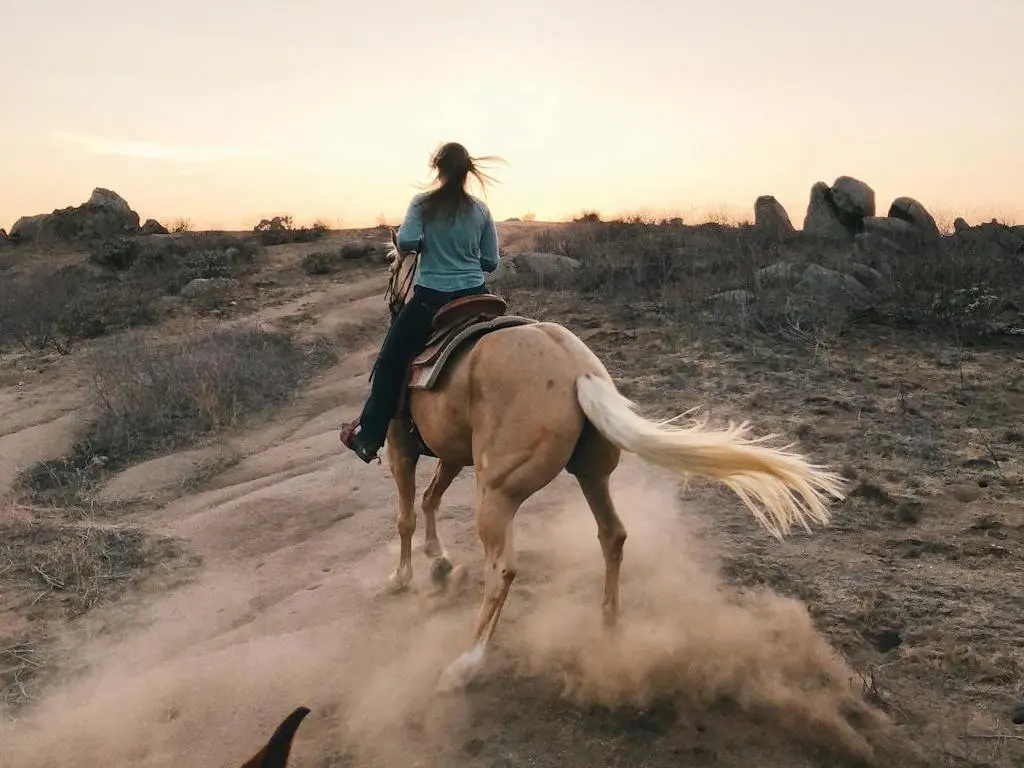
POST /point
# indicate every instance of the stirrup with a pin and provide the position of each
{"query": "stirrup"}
(350, 439)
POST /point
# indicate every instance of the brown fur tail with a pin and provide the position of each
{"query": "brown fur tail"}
(275, 753)
(780, 487)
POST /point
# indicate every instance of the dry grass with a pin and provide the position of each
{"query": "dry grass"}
(55, 570)
(911, 581)
(961, 285)
(150, 398)
(119, 288)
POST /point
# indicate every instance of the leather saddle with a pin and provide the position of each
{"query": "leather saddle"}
(454, 325)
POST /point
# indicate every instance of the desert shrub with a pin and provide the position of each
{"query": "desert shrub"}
(279, 231)
(169, 263)
(329, 262)
(959, 284)
(962, 283)
(118, 253)
(54, 309)
(151, 398)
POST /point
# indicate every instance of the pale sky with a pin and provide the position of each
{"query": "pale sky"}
(225, 111)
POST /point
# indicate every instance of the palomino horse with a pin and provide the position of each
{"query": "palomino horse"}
(274, 753)
(521, 400)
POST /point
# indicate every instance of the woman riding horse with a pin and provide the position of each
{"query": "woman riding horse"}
(457, 241)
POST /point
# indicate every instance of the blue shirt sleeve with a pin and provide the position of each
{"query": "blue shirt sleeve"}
(411, 231)
(489, 244)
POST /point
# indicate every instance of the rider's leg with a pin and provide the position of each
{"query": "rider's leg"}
(407, 336)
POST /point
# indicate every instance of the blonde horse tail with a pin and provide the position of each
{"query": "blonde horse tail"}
(778, 486)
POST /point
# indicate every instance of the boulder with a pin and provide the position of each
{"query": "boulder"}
(771, 218)
(911, 211)
(960, 224)
(104, 215)
(153, 227)
(781, 273)
(870, 278)
(824, 285)
(822, 219)
(541, 266)
(875, 251)
(853, 198)
(106, 198)
(206, 288)
(3, 235)
(26, 227)
(732, 299)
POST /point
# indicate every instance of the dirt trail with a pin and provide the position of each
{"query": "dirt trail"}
(297, 540)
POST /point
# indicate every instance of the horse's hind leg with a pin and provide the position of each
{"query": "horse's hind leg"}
(402, 460)
(612, 535)
(592, 463)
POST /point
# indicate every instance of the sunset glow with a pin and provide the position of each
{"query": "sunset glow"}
(228, 112)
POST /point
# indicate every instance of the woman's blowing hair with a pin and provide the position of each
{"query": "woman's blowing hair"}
(453, 165)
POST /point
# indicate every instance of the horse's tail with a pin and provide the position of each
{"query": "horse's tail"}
(780, 487)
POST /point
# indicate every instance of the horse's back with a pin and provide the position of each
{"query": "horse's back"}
(514, 388)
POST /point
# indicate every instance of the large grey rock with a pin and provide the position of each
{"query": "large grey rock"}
(781, 273)
(876, 251)
(26, 227)
(911, 211)
(870, 278)
(853, 198)
(537, 265)
(771, 218)
(822, 218)
(153, 227)
(889, 227)
(205, 288)
(960, 224)
(732, 299)
(106, 198)
(822, 284)
(104, 215)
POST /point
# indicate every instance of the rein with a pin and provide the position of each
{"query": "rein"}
(397, 300)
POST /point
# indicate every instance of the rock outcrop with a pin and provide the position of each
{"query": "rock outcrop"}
(837, 212)
(104, 215)
(771, 218)
(911, 211)
(153, 227)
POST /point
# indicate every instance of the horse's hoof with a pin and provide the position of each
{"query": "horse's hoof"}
(440, 571)
(457, 578)
(461, 672)
(396, 584)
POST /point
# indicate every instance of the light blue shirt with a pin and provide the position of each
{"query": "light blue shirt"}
(455, 254)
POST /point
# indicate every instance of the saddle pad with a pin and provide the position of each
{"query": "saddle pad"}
(430, 364)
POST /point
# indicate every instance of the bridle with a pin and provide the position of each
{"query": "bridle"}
(395, 295)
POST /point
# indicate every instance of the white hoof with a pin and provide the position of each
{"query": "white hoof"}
(461, 672)
(396, 584)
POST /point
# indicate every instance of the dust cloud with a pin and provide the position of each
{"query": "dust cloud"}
(684, 634)
(200, 678)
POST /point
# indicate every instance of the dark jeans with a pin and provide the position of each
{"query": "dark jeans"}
(406, 338)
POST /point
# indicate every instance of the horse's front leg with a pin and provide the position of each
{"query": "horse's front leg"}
(402, 460)
(441, 568)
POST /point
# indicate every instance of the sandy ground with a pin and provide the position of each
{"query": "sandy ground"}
(296, 540)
